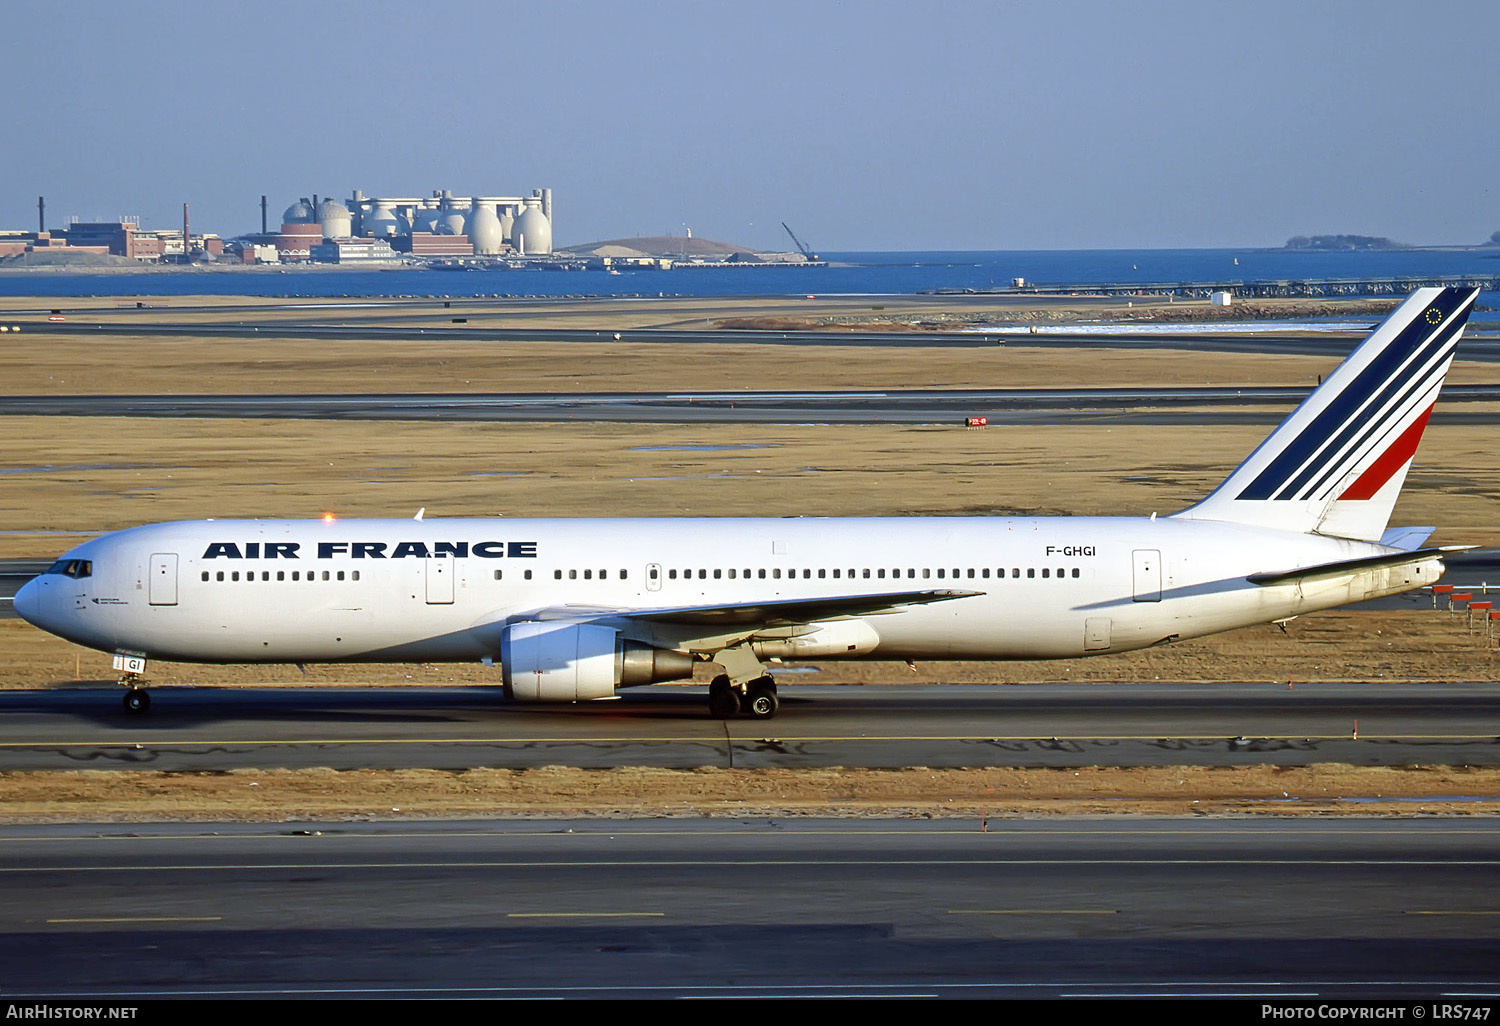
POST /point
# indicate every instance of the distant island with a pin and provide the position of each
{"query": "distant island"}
(1342, 242)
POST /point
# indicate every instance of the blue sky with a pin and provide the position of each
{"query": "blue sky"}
(864, 125)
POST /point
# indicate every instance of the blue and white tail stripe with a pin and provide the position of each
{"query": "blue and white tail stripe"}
(1336, 464)
(1405, 374)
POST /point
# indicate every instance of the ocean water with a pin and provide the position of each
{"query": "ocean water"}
(848, 274)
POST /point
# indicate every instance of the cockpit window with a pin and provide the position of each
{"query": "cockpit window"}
(72, 568)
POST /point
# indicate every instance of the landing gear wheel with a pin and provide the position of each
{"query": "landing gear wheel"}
(761, 702)
(723, 703)
(137, 700)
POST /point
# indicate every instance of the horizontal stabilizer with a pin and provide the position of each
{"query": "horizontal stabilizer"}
(1348, 567)
(1407, 538)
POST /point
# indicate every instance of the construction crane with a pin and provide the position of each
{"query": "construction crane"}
(804, 250)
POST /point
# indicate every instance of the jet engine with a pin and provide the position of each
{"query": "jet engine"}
(580, 662)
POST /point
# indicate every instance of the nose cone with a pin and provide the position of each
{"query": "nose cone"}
(28, 602)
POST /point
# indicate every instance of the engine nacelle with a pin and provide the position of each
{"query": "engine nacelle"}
(580, 662)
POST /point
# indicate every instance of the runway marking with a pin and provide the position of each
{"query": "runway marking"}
(1033, 912)
(142, 919)
(583, 915)
(1451, 912)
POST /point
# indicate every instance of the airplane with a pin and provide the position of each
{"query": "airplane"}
(573, 610)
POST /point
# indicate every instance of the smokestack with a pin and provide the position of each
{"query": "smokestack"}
(186, 248)
(263, 215)
(41, 214)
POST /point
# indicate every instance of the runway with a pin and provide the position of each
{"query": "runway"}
(905, 406)
(1264, 910)
(870, 726)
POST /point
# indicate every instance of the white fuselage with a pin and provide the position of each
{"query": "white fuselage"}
(444, 590)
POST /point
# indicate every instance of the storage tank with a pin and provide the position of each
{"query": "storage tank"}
(298, 213)
(483, 229)
(450, 221)
(337, 221)
(533, 232)
(423, 219)
(381, 222)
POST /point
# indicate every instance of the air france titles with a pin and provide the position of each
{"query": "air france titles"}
(374, 550)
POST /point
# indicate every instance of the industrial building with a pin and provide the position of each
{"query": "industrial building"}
(118, 238)
(440, 225)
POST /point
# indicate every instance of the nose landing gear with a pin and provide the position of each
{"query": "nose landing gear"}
(137, 699)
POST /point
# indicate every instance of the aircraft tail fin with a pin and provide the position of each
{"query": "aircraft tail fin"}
(1336, 464)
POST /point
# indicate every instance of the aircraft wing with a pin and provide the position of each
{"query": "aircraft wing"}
(778, 613)
(1346, 567)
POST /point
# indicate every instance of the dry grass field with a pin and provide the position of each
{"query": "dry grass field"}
(65, 479)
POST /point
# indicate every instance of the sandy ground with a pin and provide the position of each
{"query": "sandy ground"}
(978, 797)
(67, 479)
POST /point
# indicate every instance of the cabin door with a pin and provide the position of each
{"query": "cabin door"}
(1147, 575)
(439, 580)
(162, 588)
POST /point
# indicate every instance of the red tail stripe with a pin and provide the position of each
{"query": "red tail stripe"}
(1392, 460)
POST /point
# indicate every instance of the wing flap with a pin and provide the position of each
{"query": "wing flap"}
(779, 613)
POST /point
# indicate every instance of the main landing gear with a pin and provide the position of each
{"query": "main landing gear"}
(756, 699)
